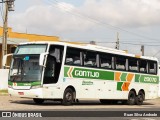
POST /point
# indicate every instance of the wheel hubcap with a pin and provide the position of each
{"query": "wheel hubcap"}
(69, 97)
(132, 99)
(140, 98)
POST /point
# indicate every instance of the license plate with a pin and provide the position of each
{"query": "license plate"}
(21, 93)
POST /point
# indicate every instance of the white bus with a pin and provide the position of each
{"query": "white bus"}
(68, 72)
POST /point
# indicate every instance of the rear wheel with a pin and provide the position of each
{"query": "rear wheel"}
(38, 101)
(68, 97)
(140, 98)
(131, 98)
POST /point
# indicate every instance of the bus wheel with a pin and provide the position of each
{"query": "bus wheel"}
(140, 98)
(131, 98)
(38, 101)
(68, 97)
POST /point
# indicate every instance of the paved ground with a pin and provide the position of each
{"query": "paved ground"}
(8, 103)
(13, 103)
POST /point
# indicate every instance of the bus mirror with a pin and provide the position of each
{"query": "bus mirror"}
(4, 63)
(41, 58)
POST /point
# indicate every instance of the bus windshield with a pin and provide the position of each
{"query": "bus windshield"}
(25, 63)
(25, 68)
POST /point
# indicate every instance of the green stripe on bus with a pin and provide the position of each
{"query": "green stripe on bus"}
(119, 86)
(24, 83)
(66, 71)
(106, 75)
(89, 74)
(123, 76)
(147, 79)
(92, 74)
(9, 82)
(137, 76)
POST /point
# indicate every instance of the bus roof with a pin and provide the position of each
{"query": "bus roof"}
(92, 47)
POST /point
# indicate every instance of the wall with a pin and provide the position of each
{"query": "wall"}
(8, 51)
(4, 79)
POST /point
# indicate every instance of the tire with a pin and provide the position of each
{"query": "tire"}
(103, 101)
(38, 101)
(131, 98)
(68, 97)
(124, 102)
(140, 98)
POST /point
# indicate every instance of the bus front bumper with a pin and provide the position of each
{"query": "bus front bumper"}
(31, 93)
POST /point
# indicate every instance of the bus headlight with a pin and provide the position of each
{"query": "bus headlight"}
(37, 86)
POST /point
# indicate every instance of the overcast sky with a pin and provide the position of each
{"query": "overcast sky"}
(136, 21)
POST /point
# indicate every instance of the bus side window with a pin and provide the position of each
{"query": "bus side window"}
(133, 64)
(69, 61)
(106, 61)
(120, 63)
(152, 66)
(90, 59)
(73, 56)
(143, 66)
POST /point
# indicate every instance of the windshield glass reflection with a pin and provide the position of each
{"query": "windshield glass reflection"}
(25, 68)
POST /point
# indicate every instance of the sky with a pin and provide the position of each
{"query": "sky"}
(136, 21)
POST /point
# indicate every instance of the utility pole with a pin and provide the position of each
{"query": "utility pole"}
(142, 50)
(117, 42)
(9, 6)
(5, 30)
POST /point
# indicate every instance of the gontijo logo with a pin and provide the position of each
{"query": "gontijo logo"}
(83, 73)
(74, 72)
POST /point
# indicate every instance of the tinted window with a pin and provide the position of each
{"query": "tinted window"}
(120, 63)
(152, 66)
(143, 66)
(90, 59)
(106, 61)
(133, 64)
(73, 56)
(53, 64)
(49, 74)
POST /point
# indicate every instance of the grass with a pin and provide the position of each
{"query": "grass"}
(3, 92)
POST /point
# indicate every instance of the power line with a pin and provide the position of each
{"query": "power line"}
(156, 53)
(130, 43)
(107, 38)
(97, 21)
(139, 41)
(138, 44)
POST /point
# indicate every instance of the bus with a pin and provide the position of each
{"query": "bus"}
(69, 72)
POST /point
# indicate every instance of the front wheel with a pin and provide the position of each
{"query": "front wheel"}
(68, 97)
(38, 101)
